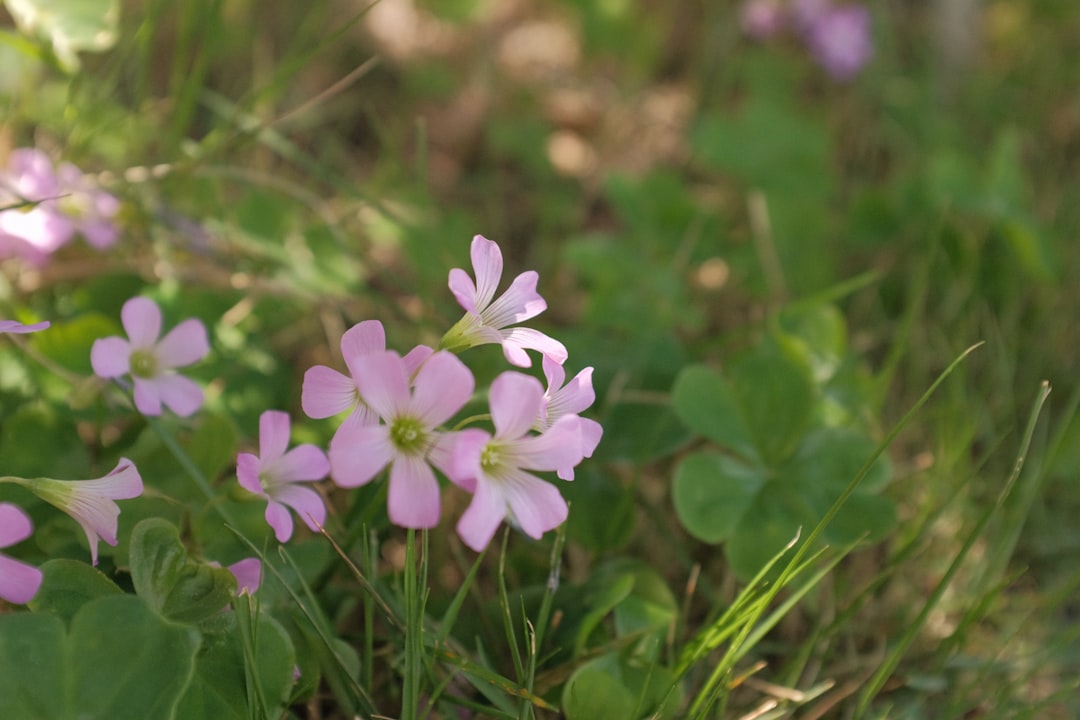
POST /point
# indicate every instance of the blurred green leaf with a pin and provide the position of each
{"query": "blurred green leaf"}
(703, 400)
(712, 492)
(68, 585)
(68, 343)
(69, 25)
(776, 394)
(120, 659)
(219, 688)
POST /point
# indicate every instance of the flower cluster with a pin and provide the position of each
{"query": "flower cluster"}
(837, 36)
(398, 407)
(398, 410)
(43, 207)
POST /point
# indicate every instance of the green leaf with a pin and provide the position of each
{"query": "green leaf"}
(604, 514)
(119, 660)
(766, 528)
(67, 585)
(829, 458)
(174, 585)
(68, 343)
(712, 492)
(872, 516)
(819, 333)
(777, 396)
(219, 687)
(593, 693)
(704, 402)
(70, 25)
(213, 446)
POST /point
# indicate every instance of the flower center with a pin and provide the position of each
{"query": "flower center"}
(408, 435)
(143, 364)
(490, 458)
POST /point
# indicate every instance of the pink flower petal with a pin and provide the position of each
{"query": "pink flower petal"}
(147, 396)
(443, 385)
(515, 403)
(327, 392)
(520, 302)
(463, 289)
(109, 357)
(516, 340)
(572, 398)
(14, 326)
(19, 582)
(184, 344)
(15, 525)
(416, 357)
(591, 432)
(247, 474)
(304, 463)
(307, 503)
(278, 518)
(413, 498)
(537, 506)
(487, 265)
(560, 448)
(465, 448)
(365, 338)
(182, 395)
(142, 321)
(248, 574)
(122, 483)
(383, 383)
(273, 436)
(357, 454)
(477, 525)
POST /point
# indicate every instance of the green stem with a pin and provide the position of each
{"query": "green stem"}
(414, 627)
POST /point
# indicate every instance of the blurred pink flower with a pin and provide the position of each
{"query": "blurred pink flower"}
(248, 574)
(487, 319)
(19, 582)
(840, 40)
(47, 207)
(570, 399)
(761, 19)
(90, 502)
(494, 467)
(150, 361)
(326, 392)
(13, 326)
(275, 472)
(407, 440)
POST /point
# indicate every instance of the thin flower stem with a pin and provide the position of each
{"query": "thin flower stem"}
(414, 627)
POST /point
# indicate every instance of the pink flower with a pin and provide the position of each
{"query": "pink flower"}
(494, 467)
(248, 574)
(274, 475)
(570, 399)
(839, 39)
(761, 19)
(487, 320)
(90, 502)
(47, 207)
(150, 361)
(407, 439)
(326, 392)
(13, 326)
(19, 582)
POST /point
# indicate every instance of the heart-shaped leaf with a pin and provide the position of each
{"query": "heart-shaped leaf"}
(712, 492)
(174, 584)
(120, 659)
(67, 585)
